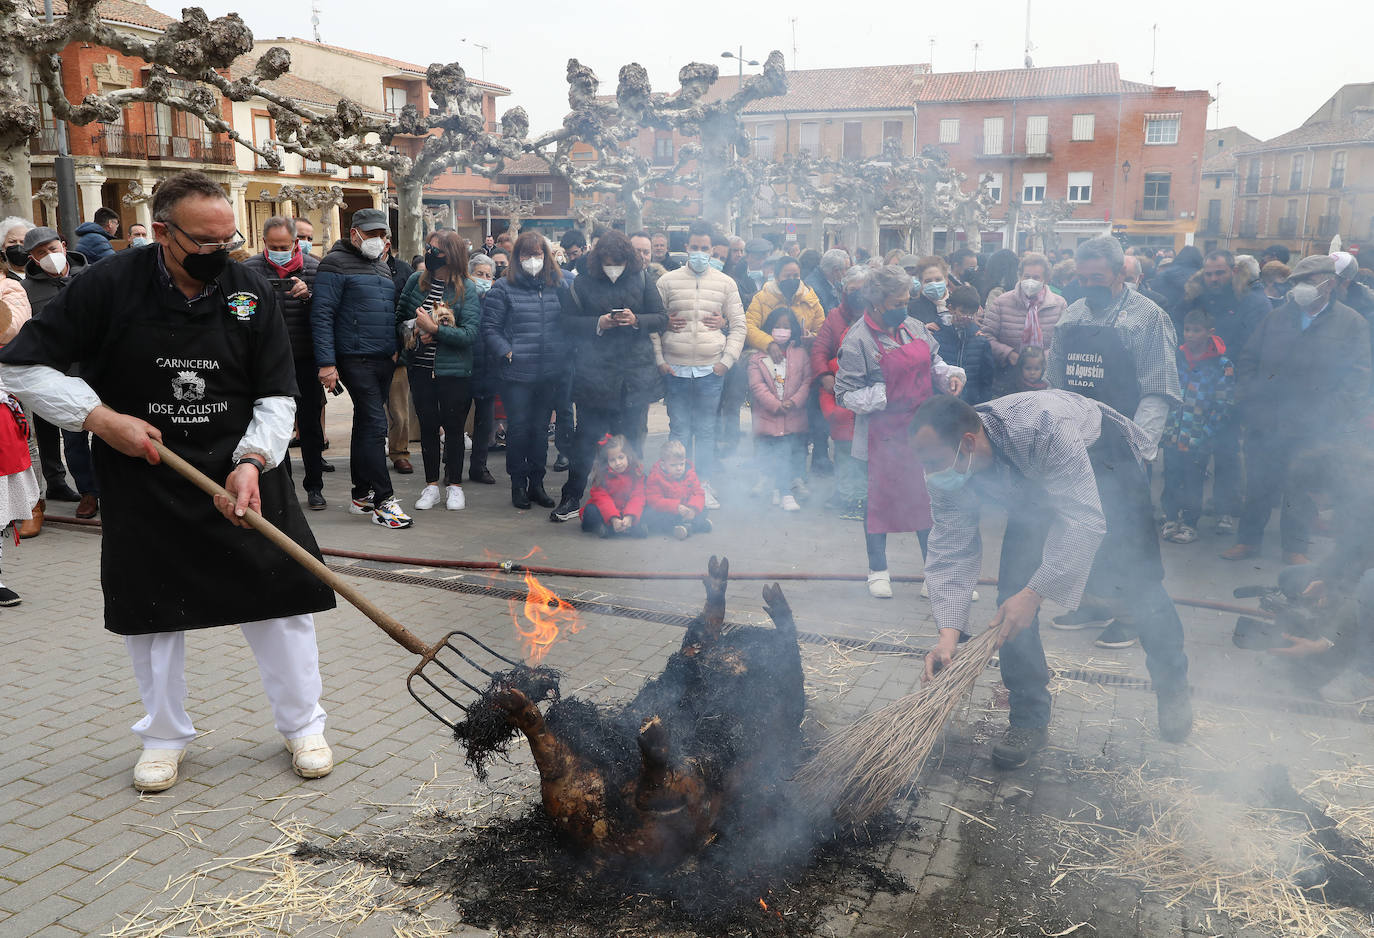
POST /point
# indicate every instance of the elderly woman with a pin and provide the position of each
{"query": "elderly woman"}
(889, 364)
(851, 484)
(1023, 316)
(609, 313)
(482, 274)
(15, 312)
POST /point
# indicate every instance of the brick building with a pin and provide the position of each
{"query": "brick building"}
(1217, 197)
(530, 180)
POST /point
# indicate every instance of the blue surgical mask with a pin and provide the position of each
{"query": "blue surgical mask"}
(698, 261)
(950, 479)
(280, 258)
(305, 245)
(717, 264)
(756, 276)
(892, 318)
(138, 242)
(481, 285)
(935, 290)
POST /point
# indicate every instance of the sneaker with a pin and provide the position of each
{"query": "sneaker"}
(315, 500)
(712, 503)
(1348, 687)
(1117, 634)
(974, 597)
(1239, 552)
(1079, 619)
(777, 497)
(568, 510)
(1017, 745)
(799, 490)
(1226, 524)
(311, 756)
(925, 590)
(1184, 535)
(467, 443)
(362, 506)
(9, 597)
(790, 504)
(1175, 716)
(390, 515)
(455, 500)
(680, 532)
(156, 769)
(880, 584)
(428, 498)
(1169, 530)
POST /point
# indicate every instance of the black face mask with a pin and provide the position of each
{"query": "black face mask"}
(16, 256)
(501, 270)
(892, 318)
(789, 286)
(434, 260)
(205, 267)
(1097, 298)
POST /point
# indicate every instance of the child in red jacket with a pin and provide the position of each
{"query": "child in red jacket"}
(674, 500)
(615, 503)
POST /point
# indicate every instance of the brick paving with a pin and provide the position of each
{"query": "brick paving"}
(81, 852)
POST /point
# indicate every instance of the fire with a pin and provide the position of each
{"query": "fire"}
(763, 905)
(546, 616)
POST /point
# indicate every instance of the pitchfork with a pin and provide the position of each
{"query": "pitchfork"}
(418, 681)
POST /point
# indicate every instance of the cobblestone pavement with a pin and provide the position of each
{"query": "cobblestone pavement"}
(82, 853)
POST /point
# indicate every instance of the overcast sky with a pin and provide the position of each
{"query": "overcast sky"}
(1274, 69)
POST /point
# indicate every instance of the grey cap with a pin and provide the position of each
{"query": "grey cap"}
(758, 246)
(908, 260)
(37, 236)
(1312, 266)
(370, 219)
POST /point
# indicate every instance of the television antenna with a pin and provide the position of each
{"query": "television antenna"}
(315, 18)
(484, 49)
(977, 44)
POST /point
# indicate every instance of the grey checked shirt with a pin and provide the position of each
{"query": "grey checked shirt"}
(1146, 330)
(1043, 437)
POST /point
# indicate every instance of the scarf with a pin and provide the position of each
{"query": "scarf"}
(292, 266)
(1031, 335)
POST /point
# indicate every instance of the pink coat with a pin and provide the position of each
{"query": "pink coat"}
(768, 416)
(1004, 320)
(12, 292)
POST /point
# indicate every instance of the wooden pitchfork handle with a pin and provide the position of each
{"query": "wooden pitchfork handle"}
(402, 635)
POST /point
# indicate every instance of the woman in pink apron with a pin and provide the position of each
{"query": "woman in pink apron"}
(888, 365)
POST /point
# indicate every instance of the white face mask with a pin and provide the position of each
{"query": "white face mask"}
(54, 263)
(1030, 286)
(532, 265)
(1304, 294)
(613, 272)
(372, 248)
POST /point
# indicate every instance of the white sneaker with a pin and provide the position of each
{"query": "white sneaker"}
(467, 442)
(790, 504)
(880, 584)
(428, 498)
(389, 514)
(712, 503)
(925, 590)
(311, 756)
(456, 500)
(973, 597)
(156, 769)
(777, 497)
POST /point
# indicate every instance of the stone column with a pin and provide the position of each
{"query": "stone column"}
(89, 181)
(143, 211)
(333, 230)
(238, 192)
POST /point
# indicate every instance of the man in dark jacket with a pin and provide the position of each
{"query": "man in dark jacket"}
(50, 268)
(1172, 280)
(825, 279)
(291, 273)
(1301, 379)
(93, 238)
(353, 322)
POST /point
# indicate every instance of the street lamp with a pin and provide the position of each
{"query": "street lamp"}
(742, 61)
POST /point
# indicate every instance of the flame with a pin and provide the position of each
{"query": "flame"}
(547, 616)
(763, 905)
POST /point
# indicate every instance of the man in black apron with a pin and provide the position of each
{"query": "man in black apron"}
(175, 344)
(1069, 474)
(1117, 348)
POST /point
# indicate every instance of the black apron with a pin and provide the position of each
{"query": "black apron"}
(170, 561)
(1098, 365)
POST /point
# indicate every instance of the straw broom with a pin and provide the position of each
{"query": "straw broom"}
(857, 771)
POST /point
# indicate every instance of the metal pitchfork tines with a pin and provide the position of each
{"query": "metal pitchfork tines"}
(446, 654)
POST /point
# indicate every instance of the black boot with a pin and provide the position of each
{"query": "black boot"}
(519, 494)
(1017, 745)
(538, 495)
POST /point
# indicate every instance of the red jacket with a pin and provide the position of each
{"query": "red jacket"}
(619, 494)
(825, 348)
(665, 495)
(841, 421)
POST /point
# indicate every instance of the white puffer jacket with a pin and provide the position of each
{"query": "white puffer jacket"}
(693, 297)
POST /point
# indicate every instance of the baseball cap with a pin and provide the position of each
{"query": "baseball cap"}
(370, 219)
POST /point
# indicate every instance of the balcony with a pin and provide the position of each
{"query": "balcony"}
(359, 172)
(120, 145)
(1252, 185)
(1154, 210)
(1037, 147)
(1212, 227)
(189, 149)
(45, 141)
(1328, 225)
(1249, 229)
(1288, 227)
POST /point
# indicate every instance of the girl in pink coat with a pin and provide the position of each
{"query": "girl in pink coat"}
(780, 382)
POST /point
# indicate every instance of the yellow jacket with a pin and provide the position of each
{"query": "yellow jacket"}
(805, 305)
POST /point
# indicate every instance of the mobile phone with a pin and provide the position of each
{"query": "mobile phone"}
(276, 282)
(338, 388)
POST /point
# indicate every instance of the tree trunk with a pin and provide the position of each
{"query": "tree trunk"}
(974, 233)
(16, 183)
(410, 218)
(634, 208)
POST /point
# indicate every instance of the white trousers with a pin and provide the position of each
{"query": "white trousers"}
(288, 660)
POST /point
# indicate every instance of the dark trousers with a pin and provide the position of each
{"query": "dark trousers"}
(1228, 480)
(441, 402)
(594, 523)
(1184, 473)
(818, 429)
(528, 405)
(781, 458)
(368, 382)
(483, 422)
(876, 545)
(77, 444)
(661, 522)
(593, 423)
(565, 425)
(1266, 469)
(50, 451)
(309, 400)
(734, 392)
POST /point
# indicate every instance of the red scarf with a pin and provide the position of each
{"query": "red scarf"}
(292, 266)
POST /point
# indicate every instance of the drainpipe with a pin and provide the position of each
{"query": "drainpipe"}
(1116, 160)
(1307, 204)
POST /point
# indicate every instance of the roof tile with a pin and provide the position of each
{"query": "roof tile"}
(398, 64)
(128, 12)
(1057, 81)
(862, 88)
(1357, 128)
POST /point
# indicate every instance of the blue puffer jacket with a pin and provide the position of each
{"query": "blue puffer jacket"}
(93, 241)
(520, 318)
(353, 312)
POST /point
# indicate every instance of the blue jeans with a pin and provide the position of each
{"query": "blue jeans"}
(368, 382)
(692, 405)
(1184, 474)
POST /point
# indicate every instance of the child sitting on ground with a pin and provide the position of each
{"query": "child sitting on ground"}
(1030, 370)
(615, 503)
(780, 386)
(674, 501)
(1208, 380)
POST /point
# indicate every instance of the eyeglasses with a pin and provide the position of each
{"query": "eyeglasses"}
(210, 247)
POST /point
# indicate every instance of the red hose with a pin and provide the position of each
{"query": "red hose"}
(516, 567)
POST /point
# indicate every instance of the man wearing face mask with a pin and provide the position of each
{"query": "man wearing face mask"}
(138, 236)
(963, 268)
(353, 322)
(1301, 380)
(174, 343)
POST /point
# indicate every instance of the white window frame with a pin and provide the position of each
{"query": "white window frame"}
(949, 130)
(763, 133)
(1080, 186)
(994, 130)
(1038, 134)
(995, 187)
(812, 147)
(525, 191)
(543, 193)
(1162, 131)
(1084, 127)
(1338, 157)
(389, 100)
(1031, 182)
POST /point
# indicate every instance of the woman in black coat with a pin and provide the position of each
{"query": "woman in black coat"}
(609, 314)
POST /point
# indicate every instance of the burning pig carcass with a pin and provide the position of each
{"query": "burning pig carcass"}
(701, 750)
